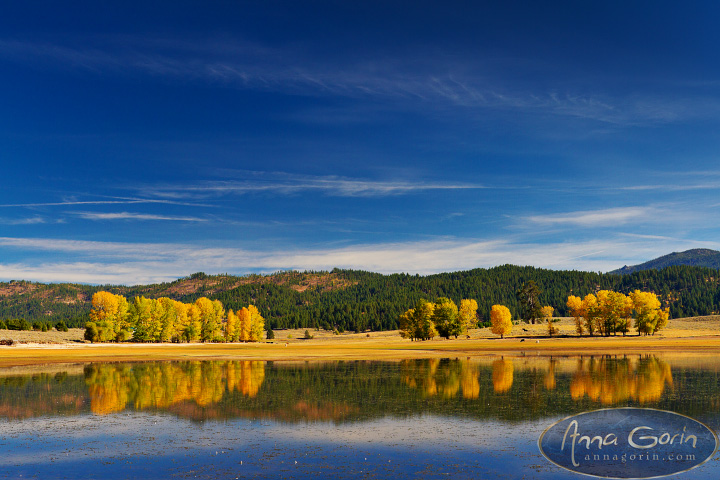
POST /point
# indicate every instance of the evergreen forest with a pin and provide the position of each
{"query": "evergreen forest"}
(352, 300)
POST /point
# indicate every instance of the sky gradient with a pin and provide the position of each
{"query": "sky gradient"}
(144, 141)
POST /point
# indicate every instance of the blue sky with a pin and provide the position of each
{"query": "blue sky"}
(144, 141)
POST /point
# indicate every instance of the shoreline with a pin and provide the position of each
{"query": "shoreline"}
(355, 349)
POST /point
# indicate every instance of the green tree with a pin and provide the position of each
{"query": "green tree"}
(530, 307)
(445, 318)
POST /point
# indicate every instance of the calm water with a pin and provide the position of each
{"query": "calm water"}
(441, 418)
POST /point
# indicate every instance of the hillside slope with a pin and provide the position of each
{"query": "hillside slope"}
(359, 301)
(698, 257)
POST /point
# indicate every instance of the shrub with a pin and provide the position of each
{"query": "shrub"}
(91, 331)
(307, 335)
(61, 327)
(18, 324)
(3, 326)
(270, 334)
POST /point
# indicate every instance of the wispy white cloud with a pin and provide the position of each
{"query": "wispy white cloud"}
(596, 218)
(133, 263)
(129, 201)
(251, 66)
(288, 184)
(135, 216)
(23, 221)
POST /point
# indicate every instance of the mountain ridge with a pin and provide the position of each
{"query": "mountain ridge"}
(696, 257)
(358, 300)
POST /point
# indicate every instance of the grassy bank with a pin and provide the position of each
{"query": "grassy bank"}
(689, 334)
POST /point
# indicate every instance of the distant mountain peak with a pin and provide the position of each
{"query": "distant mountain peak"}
(697, 257)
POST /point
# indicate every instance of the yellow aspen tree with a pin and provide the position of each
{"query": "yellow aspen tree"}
(167, 319)
(257, 324)
(123, 331)
(501, 320)
(423, 320)
(208, 320)
(231, 327)
(156, 320)
(243, 325)
(467, 313)
(601, 306)
(181, 320)
(575, 305)
(546, 313)
(591, 313)
(612, 308)
(103, 316)
(661, 319)
(646, 306)
(194, 323)
(141, 319)
(219, 312)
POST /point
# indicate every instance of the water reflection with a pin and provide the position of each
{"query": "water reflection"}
(510, 388)
(611, 381)
(113, 387)
(502, 375)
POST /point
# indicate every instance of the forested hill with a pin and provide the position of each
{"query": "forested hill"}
(698, 257)
(357, 300)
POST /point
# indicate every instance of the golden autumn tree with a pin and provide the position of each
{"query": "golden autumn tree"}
(243, 325)
(108, 318)
(613, 311)
(181, 321)
(210, 319)
(257, 324)
(591, 313)
(501, 320)
(167, 319)
(194, 324)
(575, 306)
(425, 328)
(467, 313)
(546, 314)
(649, 317)
(231, 327)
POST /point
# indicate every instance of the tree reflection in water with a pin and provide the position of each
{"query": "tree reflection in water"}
(511, 388)
(113, 387)
(611, 381)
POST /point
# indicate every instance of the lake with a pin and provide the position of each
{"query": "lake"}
(430, 418)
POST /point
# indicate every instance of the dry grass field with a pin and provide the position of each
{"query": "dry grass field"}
(699, 335)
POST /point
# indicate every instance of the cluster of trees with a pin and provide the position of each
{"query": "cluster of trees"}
(443, 318)
(114, 319)
(352, 300)
(605, 313)
(22, 324)
(609, 312)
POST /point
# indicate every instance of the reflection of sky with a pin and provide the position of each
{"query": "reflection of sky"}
(143, 445)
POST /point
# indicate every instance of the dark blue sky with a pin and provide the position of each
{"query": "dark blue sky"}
(148, 140)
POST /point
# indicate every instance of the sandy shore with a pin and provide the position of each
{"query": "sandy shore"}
(682, 335)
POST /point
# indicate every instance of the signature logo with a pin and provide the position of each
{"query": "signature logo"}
(628, 443)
